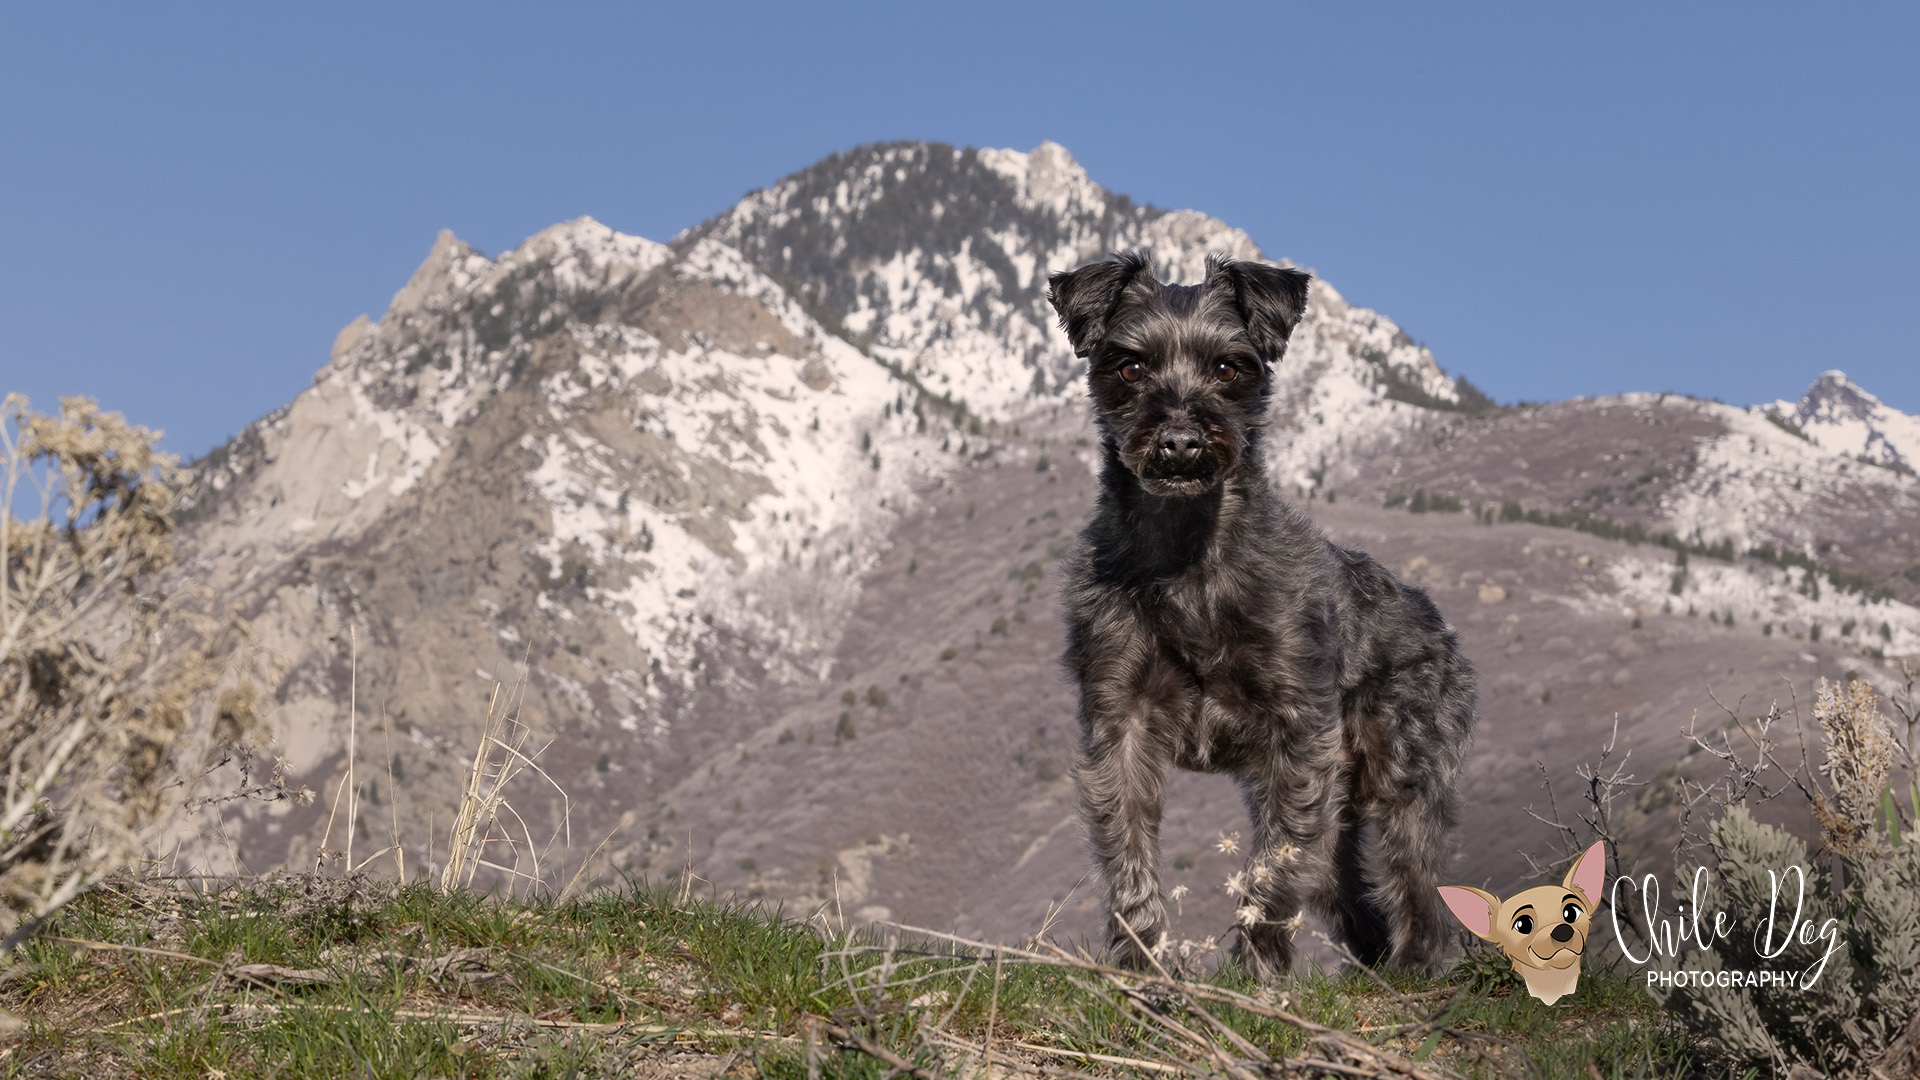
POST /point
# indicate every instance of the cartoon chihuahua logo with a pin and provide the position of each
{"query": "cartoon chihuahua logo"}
(1542, 930)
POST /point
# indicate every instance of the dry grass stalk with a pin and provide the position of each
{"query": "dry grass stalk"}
(353, 737)
(346, 781)
(485, 817)
(393, 802)
(349, 785)
(250, 1011)
(1194, 1039)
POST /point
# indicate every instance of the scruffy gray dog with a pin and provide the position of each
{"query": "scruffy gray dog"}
(1212, 627)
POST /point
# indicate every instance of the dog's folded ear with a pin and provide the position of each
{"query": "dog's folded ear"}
(1087, 298)
(1473, 907)
(1271, 299)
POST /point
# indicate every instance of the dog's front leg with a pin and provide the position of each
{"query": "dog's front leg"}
(1121, 775)
(1292, 795)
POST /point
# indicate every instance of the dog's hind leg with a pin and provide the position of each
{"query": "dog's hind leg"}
(1413, 850)
(1414, 808)
(1358, 922)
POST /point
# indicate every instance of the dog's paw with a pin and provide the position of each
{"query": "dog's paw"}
(1264, 951)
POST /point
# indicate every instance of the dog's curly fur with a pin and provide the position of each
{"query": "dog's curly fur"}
(1213, 627)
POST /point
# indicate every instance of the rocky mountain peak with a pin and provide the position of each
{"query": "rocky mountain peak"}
(450, 268)
(1834, 396)
(1048, 177)
(584, 254)
(1840, 415)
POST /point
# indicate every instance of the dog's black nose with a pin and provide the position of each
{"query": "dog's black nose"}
(1563, 933)
(1181, 443)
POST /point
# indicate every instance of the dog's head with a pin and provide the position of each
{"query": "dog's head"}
(1180, 374)
(1544, 927)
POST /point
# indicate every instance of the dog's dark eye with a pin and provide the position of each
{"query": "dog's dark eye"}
(1524, 924)
(1133, 371)
(1571, 913)
(1225, 372)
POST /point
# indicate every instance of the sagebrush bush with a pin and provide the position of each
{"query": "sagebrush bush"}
(1862, 1014)
(105, 678)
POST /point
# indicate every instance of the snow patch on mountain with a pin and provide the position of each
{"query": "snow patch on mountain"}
(1751, 482)
(1331, 394)
(1766, 599)
(1843, 417)
(382, 411)
(746, 482)
(1757, 482)
(731, 465)
(405, 449)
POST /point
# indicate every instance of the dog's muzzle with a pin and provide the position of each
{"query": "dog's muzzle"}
(1180, 447)
(1177, 462)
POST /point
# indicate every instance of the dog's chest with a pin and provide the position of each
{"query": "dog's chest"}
(1230, 641)
(1225, 664)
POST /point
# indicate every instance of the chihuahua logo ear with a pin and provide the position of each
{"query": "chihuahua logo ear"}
(1086, 299)
(1473, 907)
(1589, 872)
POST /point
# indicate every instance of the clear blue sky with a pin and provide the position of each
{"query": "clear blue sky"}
(1560, 199)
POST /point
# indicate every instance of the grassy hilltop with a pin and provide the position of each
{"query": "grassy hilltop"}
(310, 976)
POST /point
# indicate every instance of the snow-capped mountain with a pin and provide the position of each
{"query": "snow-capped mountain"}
(935, 261)
(764, 518)
(1839, 415)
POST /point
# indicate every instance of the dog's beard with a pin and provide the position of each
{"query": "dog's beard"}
(1174, 479)
(1177, 488)
(1167, 479)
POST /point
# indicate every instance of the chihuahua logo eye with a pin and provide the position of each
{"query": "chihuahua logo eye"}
(1133, 371)
(1225, 372)
(1571, 913)
(1523, 924)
